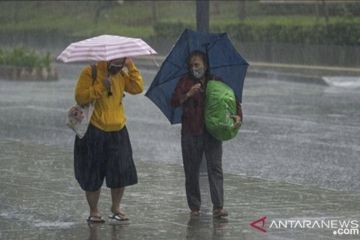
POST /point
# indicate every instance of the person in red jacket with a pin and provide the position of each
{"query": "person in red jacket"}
(195, 139)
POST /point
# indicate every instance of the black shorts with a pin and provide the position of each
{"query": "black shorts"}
(100, 155)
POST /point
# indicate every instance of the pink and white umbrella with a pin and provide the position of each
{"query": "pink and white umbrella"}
(105, 48)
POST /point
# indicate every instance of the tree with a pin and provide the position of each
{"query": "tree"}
(102, 5)
(242, 9)
(153, 11)
(325, 12)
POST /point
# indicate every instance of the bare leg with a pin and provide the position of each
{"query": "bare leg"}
(116, 196)
(93, 199)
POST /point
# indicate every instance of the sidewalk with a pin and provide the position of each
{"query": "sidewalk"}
(289, 72)
(40, 199)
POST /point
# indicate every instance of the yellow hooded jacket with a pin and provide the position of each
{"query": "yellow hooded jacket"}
(109, 113)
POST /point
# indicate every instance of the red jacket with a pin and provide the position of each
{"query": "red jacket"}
(193, 108)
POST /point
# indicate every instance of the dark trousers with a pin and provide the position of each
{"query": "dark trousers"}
(103, 155)
(193, 148)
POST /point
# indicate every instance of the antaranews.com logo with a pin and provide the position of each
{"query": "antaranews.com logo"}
(338, 227)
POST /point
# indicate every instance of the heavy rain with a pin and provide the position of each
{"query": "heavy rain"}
(296, 156)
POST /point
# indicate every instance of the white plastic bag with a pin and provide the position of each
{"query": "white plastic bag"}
(78, 118)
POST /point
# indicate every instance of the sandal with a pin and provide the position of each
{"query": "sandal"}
(220, 213)
(119, 216)
(195, 213)
(95, 219)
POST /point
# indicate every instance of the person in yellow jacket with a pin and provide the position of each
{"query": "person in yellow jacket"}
(105, 151)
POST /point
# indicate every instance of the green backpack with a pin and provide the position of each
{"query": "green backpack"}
(220, 106)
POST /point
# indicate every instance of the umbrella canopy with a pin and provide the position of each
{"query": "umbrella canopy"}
(105, 48)
(224, 61)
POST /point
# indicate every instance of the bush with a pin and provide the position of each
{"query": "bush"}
(339, 31)
(23, 57)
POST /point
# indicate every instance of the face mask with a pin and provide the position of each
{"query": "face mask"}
(114, 69)
(198, 72)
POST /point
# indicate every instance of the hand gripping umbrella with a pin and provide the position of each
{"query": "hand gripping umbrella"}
(224, 61)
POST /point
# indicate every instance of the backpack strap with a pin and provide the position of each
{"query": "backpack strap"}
(93, 73)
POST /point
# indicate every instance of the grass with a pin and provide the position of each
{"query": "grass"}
(131, 18)
(284, 20)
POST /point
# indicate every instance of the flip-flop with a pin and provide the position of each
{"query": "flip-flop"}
(121, 217)
(95, 219)
(220, 213)
(195, 213)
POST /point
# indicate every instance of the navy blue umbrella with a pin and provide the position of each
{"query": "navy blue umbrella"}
(224, 61)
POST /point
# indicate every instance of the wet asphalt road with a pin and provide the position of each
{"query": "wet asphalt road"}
(293, 132)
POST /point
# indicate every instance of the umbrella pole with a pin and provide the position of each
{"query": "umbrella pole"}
(202, 15)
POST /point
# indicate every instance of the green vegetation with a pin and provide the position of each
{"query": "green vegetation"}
(253, 21)
(308, 30)
(23, 57)
(74, 19)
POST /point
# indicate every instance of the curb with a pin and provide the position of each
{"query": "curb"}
(150, 63)
(293, 77)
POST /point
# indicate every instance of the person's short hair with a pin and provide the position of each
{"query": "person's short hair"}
(203, 57)
(200, 54)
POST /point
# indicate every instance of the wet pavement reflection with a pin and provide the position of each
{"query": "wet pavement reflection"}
(41, 200)
(293, 132)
